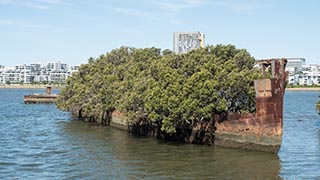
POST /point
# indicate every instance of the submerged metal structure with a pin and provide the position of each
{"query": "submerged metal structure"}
(41, 98)
(261, 131)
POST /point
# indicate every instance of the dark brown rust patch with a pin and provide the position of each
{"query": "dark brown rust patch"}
(41, 98)
(261, 131)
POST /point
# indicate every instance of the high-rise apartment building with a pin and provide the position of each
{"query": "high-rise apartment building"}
(184, 42)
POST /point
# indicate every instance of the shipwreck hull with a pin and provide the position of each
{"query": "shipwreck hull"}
(41, 98)
(248, 133)
(261, 131)
(249, 143)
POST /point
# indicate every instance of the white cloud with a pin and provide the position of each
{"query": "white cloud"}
(243, 5)
(20, 25)
(6, 22)
(6, 2)
(230, 5)
(132, 12)
(155, 9)
(157, 16)
(177, 5)
(34, 4)
(169, 10)
(158, 10)
(52, 2)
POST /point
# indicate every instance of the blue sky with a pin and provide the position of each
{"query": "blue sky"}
(71, 31)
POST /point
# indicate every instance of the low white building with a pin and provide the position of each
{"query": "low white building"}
(305, 76)
(57, 77)
(294, 65)
(53, 72)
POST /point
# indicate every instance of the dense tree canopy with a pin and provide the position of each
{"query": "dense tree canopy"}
(167, 89)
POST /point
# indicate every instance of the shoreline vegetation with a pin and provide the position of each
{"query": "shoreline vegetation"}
(42, 86)
(206, 96)
(162, 94)
(303, 89)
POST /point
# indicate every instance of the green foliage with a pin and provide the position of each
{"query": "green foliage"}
(303, 86)
(170, 90)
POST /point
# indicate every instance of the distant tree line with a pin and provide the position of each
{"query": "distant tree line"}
(163, 89)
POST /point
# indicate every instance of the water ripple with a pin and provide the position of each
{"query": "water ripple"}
(41, 142)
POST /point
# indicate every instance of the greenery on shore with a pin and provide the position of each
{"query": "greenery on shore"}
(302, 86)
(162, 88)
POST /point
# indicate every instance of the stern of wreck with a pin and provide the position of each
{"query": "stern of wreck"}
(261, 131)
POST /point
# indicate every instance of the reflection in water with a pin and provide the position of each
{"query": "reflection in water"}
(113, 153)
(37, 141)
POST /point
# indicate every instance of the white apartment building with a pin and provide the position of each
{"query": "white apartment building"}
(308, 76)
(295, 64)
(53, 72)
(184, 42)
(302, 74)
(57, 66)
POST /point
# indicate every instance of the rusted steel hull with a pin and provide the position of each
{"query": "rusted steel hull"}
(249, 133)
(261, 131)
(119, 121)
(41, 98)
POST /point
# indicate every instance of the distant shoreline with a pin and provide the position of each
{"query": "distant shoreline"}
(28, 86)
(304, 89)
(41, 86)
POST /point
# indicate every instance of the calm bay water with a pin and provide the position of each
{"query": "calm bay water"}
(37, 141)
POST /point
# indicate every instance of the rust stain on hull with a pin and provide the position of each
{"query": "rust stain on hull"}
(261, 131)
(41, 98)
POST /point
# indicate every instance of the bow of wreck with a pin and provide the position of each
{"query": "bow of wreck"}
(261, 131)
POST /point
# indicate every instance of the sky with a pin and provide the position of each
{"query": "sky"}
(72, 31)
